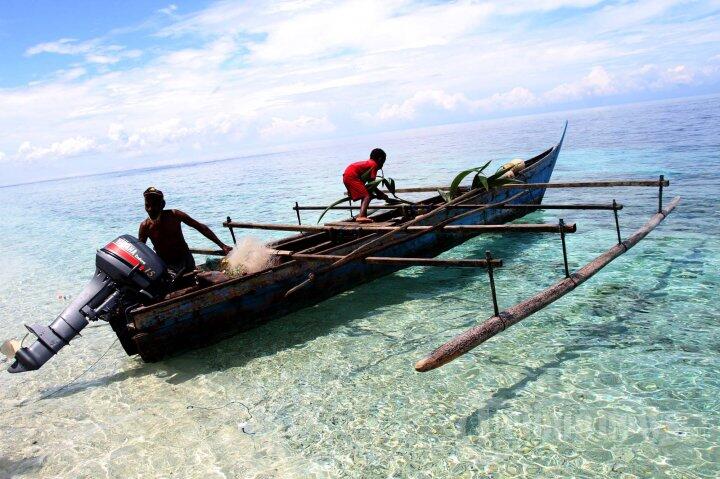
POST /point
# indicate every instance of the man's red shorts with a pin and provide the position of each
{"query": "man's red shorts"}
(356, 187)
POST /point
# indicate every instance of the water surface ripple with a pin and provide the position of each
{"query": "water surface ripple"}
(619, 379)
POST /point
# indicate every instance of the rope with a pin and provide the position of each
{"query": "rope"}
(51, 394)
(188, 407)
(25, 402)
(242, 425)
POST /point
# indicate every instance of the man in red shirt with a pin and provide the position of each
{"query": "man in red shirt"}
(355, 183)
(163, 227)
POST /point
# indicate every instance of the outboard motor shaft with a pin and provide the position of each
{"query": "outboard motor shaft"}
(127, 273)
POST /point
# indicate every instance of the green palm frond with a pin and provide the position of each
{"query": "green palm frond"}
(455, 185)
(479, 181)
(341, 200)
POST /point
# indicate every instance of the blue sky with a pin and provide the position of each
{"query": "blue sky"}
(89, 86)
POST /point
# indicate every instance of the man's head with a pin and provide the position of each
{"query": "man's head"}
(378, 156)
(154, 202)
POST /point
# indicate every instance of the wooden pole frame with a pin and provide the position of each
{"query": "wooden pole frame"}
(568, 184)
(503, 228)
(209, 252)
(397, 261)
(376, 244)
(389, 260)
(477, 335)
(467, 206)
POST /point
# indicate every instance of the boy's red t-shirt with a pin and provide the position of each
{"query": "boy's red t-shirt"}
(352, 178)
(356, 170)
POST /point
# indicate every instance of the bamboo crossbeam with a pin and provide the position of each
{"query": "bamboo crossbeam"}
(397, 261)
(578, 206)
(476, 335)
(571, 184)
(512, 228)
(278, 227)
(460, 263)
(210, 252)
(384, 260)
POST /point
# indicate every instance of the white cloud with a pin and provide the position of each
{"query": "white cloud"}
(408, 109)
(210, 55)
(620, 16)
(597, 83)
(293, 5)
(654, 77)
(62, 149)
(518, 97)
(679, 74)
(168, 132)
(366, 26)
(63, 46)
(302, 126)
(366, 22)
(102, 59)
(71, 74)
(515, 7)
(109, 59)
(169, 10)
(94, 51)
(2, 156)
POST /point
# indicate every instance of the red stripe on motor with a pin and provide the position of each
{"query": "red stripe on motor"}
(113, 248)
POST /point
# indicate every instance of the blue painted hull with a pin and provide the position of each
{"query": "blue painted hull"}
(211, 314)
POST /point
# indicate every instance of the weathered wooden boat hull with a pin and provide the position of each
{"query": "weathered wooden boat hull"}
(220, 311)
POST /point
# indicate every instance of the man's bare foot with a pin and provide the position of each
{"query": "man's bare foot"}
(363, 219)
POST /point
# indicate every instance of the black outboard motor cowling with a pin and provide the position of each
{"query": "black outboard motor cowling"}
(127, 273)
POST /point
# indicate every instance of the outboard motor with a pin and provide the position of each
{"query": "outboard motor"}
(127, 273)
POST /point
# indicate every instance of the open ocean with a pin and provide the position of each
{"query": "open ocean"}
(621, 378)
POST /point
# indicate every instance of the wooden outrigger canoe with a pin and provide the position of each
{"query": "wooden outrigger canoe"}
(329, 259)
(207, 315)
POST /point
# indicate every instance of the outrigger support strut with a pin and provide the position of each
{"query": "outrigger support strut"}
(561, 227)
(617, 223)
(488, 258)
(232, 233)
(297, 211)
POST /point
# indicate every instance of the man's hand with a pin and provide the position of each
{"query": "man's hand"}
(203, 229)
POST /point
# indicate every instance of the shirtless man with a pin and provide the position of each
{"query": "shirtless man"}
(163, 227)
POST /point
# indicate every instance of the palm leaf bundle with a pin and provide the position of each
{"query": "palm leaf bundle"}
(478, 181)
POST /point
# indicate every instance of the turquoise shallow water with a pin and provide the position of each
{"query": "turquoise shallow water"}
(619, 379)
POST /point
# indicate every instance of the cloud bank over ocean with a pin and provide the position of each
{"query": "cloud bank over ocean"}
(189, 84)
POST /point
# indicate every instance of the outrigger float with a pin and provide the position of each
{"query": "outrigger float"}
(321, 261)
